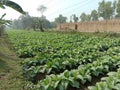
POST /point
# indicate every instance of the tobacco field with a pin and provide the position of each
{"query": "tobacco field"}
(65, 61)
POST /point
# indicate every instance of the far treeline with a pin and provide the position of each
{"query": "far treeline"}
(28, 22)
(105, 11)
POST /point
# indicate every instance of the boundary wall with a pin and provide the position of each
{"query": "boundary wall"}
(92, 26)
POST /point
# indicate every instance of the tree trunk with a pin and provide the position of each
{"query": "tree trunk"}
(41, 27)
(34, 28)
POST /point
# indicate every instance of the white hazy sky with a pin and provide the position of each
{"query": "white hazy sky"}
(54, 8)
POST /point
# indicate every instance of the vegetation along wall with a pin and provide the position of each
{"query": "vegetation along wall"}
(92, 26)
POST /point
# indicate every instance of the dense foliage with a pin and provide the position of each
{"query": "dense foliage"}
(57, 61)
(112, 82)
(28, 22)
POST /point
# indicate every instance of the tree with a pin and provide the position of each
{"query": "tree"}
(12, 5)
(23, 22)
(106, 10)
(60, 19)
(118, 9)
(41, 9)
(71, 18)
(75, 18)
(94, 15)
(16, 24)
(85, 17)
(88, 17)
(114, 8)
(46, 24)
(53, 25)
(34, 23)
(28, 22)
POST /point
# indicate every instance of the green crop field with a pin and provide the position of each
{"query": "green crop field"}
(62, 61)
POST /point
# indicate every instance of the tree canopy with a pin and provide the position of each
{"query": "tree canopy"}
(60, 19)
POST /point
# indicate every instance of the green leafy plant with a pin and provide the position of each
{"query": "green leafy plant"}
(62, 60)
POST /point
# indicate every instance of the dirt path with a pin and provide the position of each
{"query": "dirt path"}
(10, 78)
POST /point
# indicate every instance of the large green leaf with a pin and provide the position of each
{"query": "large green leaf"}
(12, 5)
(5, 22)
(2, 16)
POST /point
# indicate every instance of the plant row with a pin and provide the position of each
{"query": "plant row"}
(112, 82)
(80, 76)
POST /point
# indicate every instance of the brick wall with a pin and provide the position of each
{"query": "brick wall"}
(92, 26)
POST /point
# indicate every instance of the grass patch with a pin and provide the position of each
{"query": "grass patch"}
(10, 77)
(3, 66)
